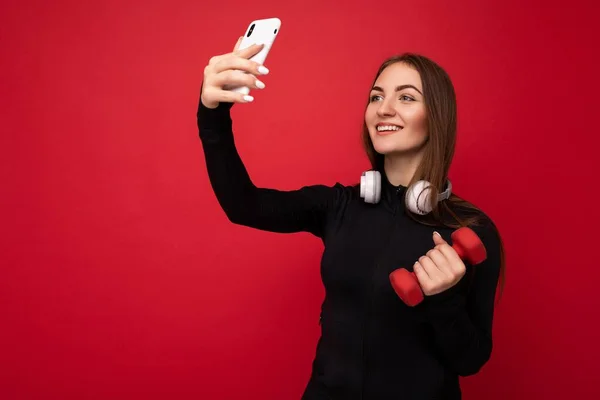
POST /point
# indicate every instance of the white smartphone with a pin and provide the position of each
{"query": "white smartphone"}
(261, 31)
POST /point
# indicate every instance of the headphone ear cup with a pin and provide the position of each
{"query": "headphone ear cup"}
(370, 186)
(418, 198)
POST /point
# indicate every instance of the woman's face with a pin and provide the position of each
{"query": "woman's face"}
(396, 116)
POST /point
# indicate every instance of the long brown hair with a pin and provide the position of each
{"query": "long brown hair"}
(441, 112)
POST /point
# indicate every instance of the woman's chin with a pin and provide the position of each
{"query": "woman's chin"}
(387, 150)
(389, 147)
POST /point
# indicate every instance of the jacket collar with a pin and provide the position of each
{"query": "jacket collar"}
(392, 196)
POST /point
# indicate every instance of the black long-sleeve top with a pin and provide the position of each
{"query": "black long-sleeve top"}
(372, 346)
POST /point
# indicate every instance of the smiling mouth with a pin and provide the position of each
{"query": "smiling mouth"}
(387, 128)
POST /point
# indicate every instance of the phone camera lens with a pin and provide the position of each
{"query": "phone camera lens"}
(275, 31)
(250, 30)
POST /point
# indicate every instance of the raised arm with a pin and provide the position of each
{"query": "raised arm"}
(304, 209)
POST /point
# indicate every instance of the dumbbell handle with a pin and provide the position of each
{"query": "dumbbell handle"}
(468, 247)
(412, 294)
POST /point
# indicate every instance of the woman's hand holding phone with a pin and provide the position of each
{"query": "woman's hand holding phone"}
(232, 70)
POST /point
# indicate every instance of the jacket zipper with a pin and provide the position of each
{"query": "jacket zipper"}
(370, 304)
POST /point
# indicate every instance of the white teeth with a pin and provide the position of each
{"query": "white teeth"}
(388, 128)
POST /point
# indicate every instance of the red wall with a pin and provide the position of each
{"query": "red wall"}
(121, 278)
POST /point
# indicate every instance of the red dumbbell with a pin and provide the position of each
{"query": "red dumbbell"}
(464, 241)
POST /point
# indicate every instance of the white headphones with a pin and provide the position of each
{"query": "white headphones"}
(370, 190)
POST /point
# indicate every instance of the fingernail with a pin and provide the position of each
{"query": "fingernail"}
(436, 233)
(259, 84)
(263, 70)
(248, 98)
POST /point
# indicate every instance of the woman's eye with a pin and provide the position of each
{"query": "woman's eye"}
(403, 98)
(377, 97)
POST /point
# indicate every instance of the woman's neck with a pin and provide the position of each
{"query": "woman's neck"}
(401, 169)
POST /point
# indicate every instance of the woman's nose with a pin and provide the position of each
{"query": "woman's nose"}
(386, 109)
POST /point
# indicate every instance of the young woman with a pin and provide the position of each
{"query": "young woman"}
(373, 345)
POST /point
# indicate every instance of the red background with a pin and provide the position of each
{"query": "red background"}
(121, 277)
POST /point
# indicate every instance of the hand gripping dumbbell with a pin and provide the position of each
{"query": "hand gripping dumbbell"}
(469, 248)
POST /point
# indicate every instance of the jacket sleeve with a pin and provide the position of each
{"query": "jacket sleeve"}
(301, 210)
(461, 317)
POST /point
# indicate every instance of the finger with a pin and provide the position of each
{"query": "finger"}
(239, 63)
(440, 261)
(421, 274)
(250, 51)
(233, 78)
(445, 248)
(431, 269)
(237, 45)
(453, 266)
(449, 252)
(438, 239)
(426, 275)
(228, 96)
(223, 60)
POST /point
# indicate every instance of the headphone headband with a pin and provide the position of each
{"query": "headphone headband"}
(370, 191)
(445, 195)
